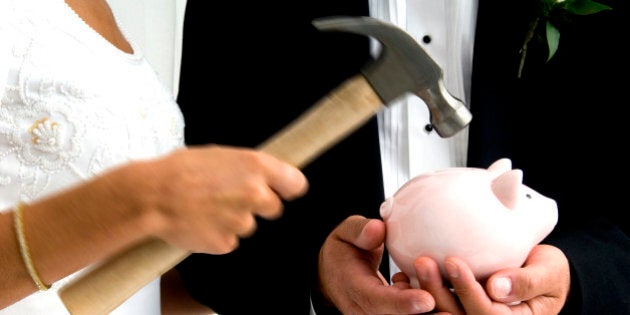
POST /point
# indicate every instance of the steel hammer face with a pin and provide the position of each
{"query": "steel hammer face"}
(404, 67)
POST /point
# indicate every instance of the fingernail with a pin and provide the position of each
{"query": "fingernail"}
(502, 287)
(423, 275)
(419, 307)
(451, 269)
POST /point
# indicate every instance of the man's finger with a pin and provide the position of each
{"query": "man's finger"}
(544, 271)
(367, 234)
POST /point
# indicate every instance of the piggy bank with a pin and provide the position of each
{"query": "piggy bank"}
(487, 217)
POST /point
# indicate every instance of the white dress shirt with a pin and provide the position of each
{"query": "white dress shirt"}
(445, 29)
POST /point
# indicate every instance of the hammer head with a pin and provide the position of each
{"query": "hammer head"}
(404, 67)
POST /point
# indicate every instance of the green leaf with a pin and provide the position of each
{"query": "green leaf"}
(583, 7)
(553, 39)
(556, 10)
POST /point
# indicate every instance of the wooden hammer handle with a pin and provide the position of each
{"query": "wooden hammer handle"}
(106, 286)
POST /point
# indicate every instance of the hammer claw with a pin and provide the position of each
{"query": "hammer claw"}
(404, 67)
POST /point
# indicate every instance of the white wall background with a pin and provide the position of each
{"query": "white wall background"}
(155, 25)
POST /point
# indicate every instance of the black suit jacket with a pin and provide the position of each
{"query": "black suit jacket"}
(266, 71)
(561, 123)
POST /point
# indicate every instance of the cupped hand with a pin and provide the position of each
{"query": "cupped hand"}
(540, 287)
(206, 198)
(349, 276)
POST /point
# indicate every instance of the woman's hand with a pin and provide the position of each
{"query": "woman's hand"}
(205, 198)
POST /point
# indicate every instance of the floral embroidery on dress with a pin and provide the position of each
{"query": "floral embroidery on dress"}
(45, 133)
(71, 108)
(49, 144)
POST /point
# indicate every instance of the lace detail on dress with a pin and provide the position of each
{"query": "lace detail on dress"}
(72, 107)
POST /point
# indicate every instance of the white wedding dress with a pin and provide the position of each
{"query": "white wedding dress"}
(71, 106)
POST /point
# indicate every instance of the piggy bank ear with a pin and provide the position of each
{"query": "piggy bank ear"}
(500, 166)
(507, 187)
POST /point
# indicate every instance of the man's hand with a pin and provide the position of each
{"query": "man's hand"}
(349, 276)
(540, 287)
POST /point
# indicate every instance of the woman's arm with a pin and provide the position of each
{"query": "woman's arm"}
(200, 199)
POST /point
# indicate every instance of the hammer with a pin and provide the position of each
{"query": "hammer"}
(402, 67)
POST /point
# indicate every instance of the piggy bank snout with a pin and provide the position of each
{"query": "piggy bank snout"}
(386, 208)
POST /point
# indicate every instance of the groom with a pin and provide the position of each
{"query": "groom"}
(267, 71)
(556, 123)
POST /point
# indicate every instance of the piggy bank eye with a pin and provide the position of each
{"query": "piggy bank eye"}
(528, 196)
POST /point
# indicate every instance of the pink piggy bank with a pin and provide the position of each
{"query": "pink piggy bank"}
(487, 217)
